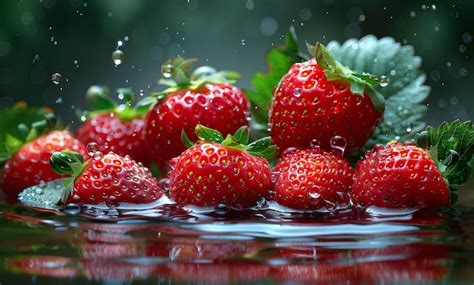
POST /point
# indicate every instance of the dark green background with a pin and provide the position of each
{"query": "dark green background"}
(227, 34)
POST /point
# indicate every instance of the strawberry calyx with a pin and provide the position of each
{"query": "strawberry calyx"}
(359, 83)
(176, 76)
(100, 102)
(68, 163)
(27, 134)
(240, 140)
(451, 147)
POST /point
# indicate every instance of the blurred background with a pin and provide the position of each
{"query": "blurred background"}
(51, 51)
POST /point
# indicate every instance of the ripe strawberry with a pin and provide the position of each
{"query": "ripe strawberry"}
(313, 178)
(319, 99)
(109, 178)
(115, 128)
(207, 98)
(405, 175)
(27, 162)
(221, 171)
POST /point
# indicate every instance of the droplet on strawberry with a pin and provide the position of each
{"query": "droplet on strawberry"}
(313, 179)
(222, 171)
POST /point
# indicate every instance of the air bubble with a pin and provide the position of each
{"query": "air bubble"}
(118, 57)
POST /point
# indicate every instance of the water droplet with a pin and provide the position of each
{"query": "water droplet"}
(167, 70)
(297, 92)
(384, 81)
(274, 176)
(314, 195)
(98, 155)
(72, 209)
(76, 197)
(261, 202)
(315, 144)
(164, 184)
(42, 184)
(221, 209)
(39, 190)
(243, 42)
(92, 148)
(36, 59)
(56, 78)
(172, 163)
(118, 57)
(338, 144)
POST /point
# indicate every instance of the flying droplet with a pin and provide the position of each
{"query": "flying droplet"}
(338, 144)
(36, 59)
(167, 70)
(92, 148)
(118, 57)
(56, 78)
(384, 80)
(243, 42)
(72, 209)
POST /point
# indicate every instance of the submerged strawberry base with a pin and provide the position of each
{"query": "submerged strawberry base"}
(163, 242)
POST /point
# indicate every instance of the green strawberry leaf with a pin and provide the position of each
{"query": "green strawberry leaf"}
(279, 60)
(186, 140)
(208, 134)
(242, 135)
(98, 98)
(451, 146)
(14, 130)
(403, 95)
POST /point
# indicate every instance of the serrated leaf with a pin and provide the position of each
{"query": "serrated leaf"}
(279, 60)
(405, 92)
(452, 147)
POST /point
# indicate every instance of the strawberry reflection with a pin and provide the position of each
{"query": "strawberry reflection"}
(159, 252)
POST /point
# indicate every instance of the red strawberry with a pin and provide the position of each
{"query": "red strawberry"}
(311, 179)
(319, 99)
(28, 159)
(115, 128)
(205, 98)
(404, 175)
(221, 171)
(109, 178)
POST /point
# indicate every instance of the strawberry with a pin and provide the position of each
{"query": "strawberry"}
(109, 178)
(319, 99)
(206, 97)
(311, 179)
(409, 175)
(115, 128)
(27, 161)
(221, 171)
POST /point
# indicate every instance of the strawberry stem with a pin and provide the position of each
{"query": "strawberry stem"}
(358, 83)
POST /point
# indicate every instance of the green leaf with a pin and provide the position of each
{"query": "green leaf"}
(242, 135)
(405, 92)
(208, 134)
(185, 139)
(47, 196)
(67, 162)
(260, 146)
(13, 116)
(451, 146)
(279, 60)
(98, 98)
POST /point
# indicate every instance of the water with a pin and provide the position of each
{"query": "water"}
(162, 243)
